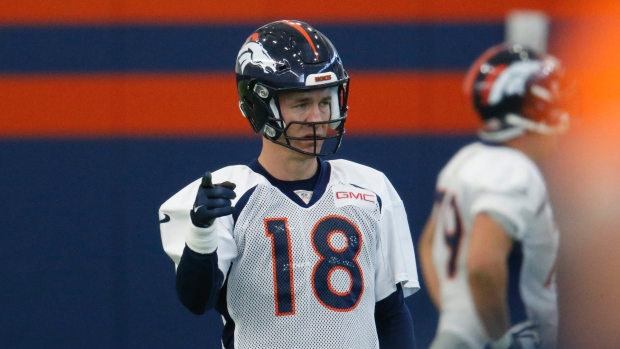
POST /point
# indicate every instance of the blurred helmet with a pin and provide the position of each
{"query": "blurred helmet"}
(288, 56)
(514, 90)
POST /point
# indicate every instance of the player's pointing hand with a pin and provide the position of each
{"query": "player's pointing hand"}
(212, 201)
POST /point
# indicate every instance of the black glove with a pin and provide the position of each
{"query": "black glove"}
(212, 201)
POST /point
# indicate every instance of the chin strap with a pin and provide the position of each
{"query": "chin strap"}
(539, 127)
(520, 125)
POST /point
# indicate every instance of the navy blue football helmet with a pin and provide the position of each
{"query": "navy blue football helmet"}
(286, 56)
(514, 89)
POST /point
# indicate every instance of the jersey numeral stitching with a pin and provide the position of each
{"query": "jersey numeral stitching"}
(452, 237)
(331, 260)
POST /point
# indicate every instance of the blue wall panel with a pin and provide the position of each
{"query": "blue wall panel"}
(81, 258)
(193, 48)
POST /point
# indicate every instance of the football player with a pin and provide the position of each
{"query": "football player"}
(292, 250)
(490, 197)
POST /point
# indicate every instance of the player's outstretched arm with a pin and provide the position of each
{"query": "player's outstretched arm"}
(198, 278)
(426, 261)
(487, 269)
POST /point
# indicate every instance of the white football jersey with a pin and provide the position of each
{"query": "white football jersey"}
(305, 274)
(508, 185)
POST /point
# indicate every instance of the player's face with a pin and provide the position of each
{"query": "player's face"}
(306, 106)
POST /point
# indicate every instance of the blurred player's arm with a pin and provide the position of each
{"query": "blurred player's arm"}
(487, 268)
(523, 335)
(426, 260)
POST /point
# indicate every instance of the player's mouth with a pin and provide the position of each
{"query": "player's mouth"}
(312, 136)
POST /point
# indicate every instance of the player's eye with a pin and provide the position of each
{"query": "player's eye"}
(325, 106)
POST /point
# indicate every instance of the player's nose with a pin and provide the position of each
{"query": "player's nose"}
(316, 113)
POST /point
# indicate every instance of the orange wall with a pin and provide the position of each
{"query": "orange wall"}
(205, 105)
(158, 104)
(184, 104)
(19, 11)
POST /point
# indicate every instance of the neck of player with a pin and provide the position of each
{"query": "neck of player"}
(286, 164)
(536, 146)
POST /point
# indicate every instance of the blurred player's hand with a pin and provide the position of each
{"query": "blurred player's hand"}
(523, 335)
(212, 201)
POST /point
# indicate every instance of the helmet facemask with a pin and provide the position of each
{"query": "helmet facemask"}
(276, 129)
(544, 104)
(542, 111)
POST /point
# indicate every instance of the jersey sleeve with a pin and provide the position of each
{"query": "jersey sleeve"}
(512, 195)
(397, 262)
(174, 220)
